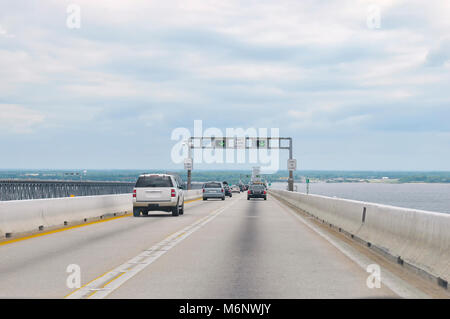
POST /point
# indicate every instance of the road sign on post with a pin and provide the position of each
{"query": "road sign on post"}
(292, 164)
(188, 164)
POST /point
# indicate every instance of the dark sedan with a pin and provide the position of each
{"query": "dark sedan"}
(257, 191)
(227, 190)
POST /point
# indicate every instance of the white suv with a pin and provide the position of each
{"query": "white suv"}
(164, 192)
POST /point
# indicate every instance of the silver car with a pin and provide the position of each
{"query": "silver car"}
(213, 190)
(235, 189)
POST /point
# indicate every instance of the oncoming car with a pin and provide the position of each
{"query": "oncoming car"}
(163, 192)
(213, 190)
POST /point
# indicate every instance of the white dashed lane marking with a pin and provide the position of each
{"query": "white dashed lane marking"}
(102, 286)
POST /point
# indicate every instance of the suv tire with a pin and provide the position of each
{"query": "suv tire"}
(176, 210)
(136, 212)
(182, 209)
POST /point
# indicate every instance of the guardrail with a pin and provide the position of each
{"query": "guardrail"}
(36, 189)
(414, 238)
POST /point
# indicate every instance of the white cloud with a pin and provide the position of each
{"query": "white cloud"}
(5, 33)
(249, 71)
(18, 119)
(296, 64)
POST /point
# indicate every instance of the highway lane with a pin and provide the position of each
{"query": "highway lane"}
(36, 268)
(236, 249)
(254, 249)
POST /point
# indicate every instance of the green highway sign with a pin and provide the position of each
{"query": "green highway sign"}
(220, 143)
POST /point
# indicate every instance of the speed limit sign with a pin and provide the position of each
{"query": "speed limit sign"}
(292, 164)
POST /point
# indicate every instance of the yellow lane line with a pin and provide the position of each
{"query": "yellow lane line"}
(86, 284)
(60, 230)
(110, 281)
(192, 200)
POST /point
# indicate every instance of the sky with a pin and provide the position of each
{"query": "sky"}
(353, 91)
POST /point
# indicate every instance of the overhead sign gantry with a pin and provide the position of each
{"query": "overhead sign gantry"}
(241, 143)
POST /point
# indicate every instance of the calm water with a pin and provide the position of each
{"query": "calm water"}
(432, 197)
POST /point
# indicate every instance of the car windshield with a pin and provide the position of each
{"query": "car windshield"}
(213, 185)
(154, 181)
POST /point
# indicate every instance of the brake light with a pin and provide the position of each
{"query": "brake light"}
(203, 190)
(265, 192)
(222, 190)
(172, 192)
(249, 192)
(134, 193)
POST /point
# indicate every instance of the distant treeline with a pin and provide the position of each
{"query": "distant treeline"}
(231, 176)
(366, 175)
(424, 179)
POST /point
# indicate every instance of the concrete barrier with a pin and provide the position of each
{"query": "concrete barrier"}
(415, 237)
(24, 216)
(28, 216)
(193, 194)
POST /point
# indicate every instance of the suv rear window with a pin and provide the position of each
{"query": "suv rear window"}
(257, 187)
(213, 185)
(154, 181)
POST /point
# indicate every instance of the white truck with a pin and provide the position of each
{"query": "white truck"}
(158, 192)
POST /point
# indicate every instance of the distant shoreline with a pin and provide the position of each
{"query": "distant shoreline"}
(369, 182)
(234, 176)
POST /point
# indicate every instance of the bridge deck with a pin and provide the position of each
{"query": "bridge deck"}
(239, 249)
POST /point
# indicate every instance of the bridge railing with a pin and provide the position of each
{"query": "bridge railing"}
(34, 189)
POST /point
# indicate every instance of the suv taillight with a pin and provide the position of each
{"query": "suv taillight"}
(265, 192)
(134, 193)
(172, 192)
(249, 191)
(222, 190)
(203, 190)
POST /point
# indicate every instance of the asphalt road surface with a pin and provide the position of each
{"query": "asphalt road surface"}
(217, 249)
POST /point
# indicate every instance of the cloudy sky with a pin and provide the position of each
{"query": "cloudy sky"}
(109, 94)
